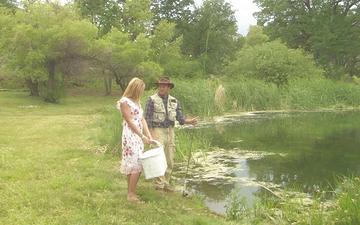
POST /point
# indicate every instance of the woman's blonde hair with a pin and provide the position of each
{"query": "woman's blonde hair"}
(135, 89)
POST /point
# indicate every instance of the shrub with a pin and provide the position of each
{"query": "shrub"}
(273, 62)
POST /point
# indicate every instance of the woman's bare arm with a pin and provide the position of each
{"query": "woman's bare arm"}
(126, 112)
(146, 129)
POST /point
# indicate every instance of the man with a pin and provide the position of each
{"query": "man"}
(162, 110)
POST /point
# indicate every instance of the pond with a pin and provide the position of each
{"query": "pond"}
(258, 152)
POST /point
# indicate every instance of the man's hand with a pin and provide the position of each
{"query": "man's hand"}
(192, 121)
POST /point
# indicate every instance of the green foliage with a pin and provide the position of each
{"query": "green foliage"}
(348, 211)
(137, 17)
(317, 93)
(274, 63)
(235, 207)
(176, 11)
(212, 37)
(204, 90)
(40, 39)
(256, 36)
(125, 58)
(328, 29)
(166, 50)
(251, 94)
(149, 72)
(11, 4)
(105, 14)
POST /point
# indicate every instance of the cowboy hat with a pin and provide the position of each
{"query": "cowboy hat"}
(165, 80)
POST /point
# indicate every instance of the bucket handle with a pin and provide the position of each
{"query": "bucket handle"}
(157, 143)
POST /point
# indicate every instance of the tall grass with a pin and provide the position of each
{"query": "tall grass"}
(109, 127)
(198, 96)
(322, 93)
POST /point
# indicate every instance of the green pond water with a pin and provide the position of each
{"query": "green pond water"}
(306, 152)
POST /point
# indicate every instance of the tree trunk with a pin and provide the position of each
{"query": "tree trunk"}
(52, 94)
(33, 87)
(107, 83)
(51, 80)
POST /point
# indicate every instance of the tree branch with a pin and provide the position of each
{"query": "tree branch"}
(349, 5)
(307, 4)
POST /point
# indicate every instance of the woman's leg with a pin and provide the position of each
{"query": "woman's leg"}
(132, 182)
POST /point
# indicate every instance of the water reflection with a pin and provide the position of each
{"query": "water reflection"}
(307, 152)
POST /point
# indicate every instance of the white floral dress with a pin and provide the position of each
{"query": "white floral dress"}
(132, 145)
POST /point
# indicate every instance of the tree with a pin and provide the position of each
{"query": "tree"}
(137, 18)
(12, 4)
(329, 29)
(125, 58)
(212, 36)
(179, 12)
(166, 51)
(44, 37)
(104, 14)
(256, 36)
(174, 11)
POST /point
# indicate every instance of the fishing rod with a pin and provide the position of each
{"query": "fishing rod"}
(184, 192)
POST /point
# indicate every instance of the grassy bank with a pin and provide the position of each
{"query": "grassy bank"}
(52, 171)
(342, 209)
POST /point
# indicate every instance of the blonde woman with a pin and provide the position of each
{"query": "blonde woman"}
(135, 134)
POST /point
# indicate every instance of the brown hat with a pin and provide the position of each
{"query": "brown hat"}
(165, 80)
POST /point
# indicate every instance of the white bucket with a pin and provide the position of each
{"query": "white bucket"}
(154, 162)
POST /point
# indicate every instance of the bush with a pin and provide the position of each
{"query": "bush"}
(273, 62)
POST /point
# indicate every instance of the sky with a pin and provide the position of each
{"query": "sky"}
(244, 10)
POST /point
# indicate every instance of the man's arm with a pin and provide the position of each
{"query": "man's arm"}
(149, 111)
(181, 118)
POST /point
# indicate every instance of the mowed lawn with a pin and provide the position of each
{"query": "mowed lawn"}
(52, 173)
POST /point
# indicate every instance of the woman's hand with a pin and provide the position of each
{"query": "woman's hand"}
(154, 142)
(145, 139)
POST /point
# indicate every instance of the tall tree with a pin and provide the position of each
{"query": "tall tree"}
(42, 38)
(8, 4)
(179, 12)
(137, 17)
(330, 29)
(126, 58)
(105, 14)
(175, 11)
(213, 36)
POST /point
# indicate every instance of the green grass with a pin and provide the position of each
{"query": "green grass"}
(197, 96)
(52, 172)
(342, 209)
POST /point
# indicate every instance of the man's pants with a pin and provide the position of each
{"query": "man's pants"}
(167, 137)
